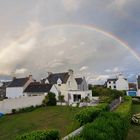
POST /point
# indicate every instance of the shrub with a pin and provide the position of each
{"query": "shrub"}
(40, 135)
(13, 111)
(49, 100)
(90, 113)
(22, 110)
(109, 126)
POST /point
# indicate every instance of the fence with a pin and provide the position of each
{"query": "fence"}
(7, 105)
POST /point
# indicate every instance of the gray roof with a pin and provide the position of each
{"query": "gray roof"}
(79, 80)
(113, 79)
(18, 82)
(36, 87)
(52, 78)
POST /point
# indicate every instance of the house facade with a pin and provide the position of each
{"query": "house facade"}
(82, 83)
(119, 83)
(17, 86)
(66, 84)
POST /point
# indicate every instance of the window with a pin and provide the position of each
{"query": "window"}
(76, 97)
(115, 87)
(109, 82)
(114, 82)
(59, 84)
(109, 86)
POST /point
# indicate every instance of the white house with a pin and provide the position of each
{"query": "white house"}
(82, 83)
(16, 87)
(119, 83)
(39, 89)
(67, 85)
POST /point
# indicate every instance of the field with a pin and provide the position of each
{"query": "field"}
(57, 117)
(134, 131)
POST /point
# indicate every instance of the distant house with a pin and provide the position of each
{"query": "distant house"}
(119, 83)
(17, 86)
(38, 89)
(69, 86)
(132, 86)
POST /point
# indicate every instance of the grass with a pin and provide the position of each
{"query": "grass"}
(134, 131)
(57, 117)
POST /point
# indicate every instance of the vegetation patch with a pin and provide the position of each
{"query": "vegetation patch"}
(109, 125)
(51, 117)
(40, 135)
(88, 114)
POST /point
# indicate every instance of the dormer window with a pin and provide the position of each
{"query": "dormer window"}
(59, 82)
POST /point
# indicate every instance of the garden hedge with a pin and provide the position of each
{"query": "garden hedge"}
(88, 114)
(109, 125)
(40, 135)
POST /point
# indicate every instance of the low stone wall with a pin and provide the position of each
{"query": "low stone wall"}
(7, 105)
(74, 133)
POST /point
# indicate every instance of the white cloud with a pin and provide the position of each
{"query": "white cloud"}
(20, 71)
(71, 5)
(83, 68)
(56, 40)
(118, 4)
(55, 63)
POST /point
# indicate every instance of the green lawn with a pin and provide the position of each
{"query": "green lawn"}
(57, 117)
(134, 131)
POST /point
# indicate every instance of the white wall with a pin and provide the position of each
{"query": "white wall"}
(138, 93)
(111, 84)
(82, 93)
(54, 90)
(122, 84)
(13, 92)
(7, 105)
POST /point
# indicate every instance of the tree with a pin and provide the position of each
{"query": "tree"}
(61, 98)
(49, 100)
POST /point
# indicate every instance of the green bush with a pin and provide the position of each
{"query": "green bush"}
(40, 135)
(22, 110)
(49, 100)
(13, 111)
(90, 113)
(109, 126)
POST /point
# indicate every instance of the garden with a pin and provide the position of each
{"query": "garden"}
(54, 122)
(51, 117)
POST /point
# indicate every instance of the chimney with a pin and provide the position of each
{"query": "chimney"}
(14, 77)
(70, 71)
(49, 73)
(120, 76)
(30, 77)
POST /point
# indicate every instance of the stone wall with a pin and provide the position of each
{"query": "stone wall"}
(7, 105)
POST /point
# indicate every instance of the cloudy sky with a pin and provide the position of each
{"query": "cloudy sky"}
(97, 39)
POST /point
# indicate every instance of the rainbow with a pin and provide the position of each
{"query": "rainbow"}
(107, 34)
(88, 27)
